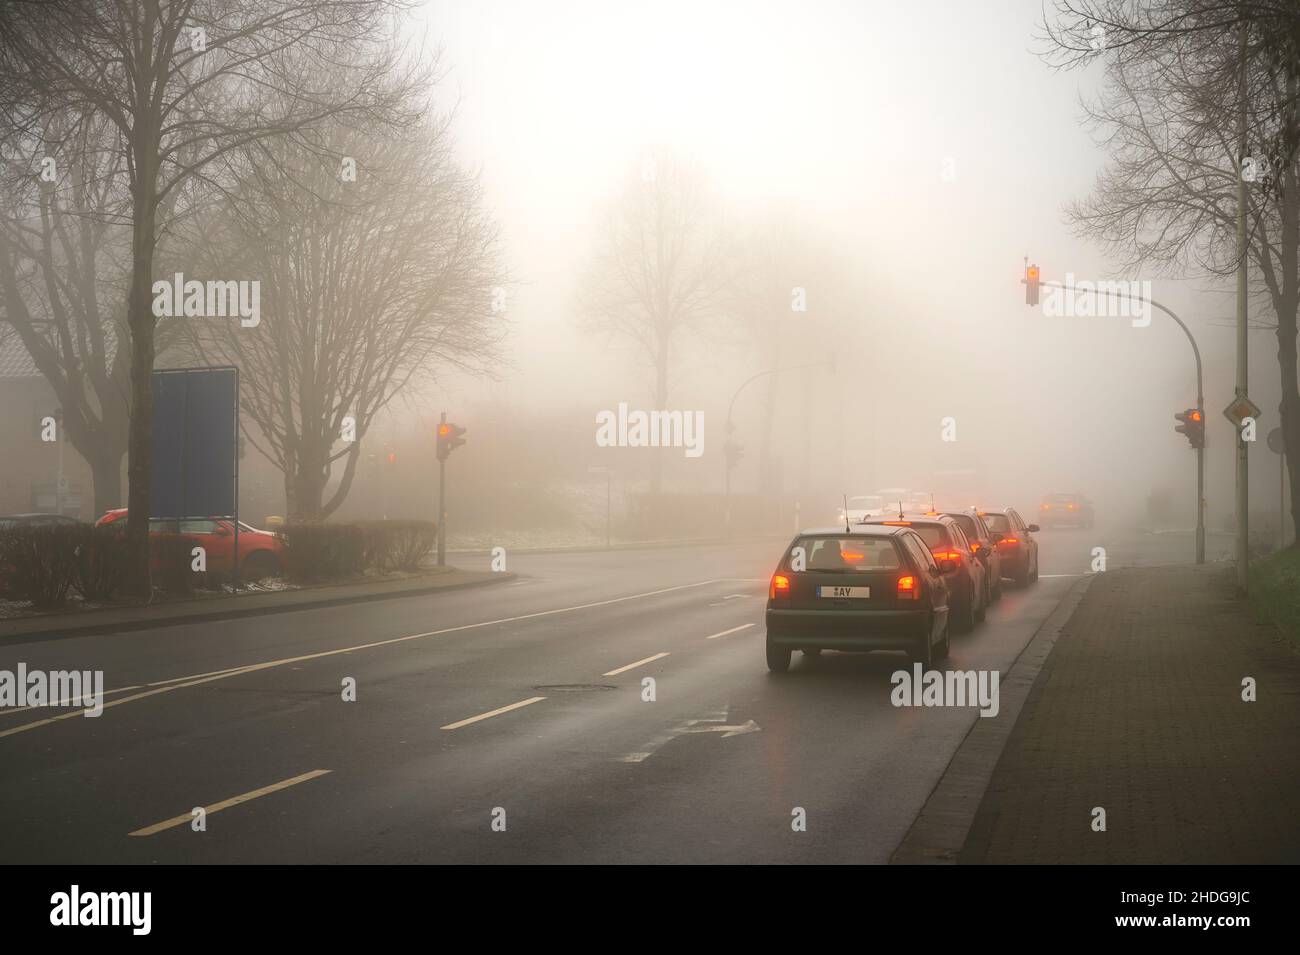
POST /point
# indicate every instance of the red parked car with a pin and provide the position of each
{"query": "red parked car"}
(261, 553)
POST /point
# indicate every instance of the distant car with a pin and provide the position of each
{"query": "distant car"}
(947, 542)
(872, 587)
(862, 507)
(1017, 548)
(261, 553)
(985, 544)
(1065, 510)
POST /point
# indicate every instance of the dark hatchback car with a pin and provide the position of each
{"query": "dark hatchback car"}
(946, 541)
(1018, 549)
(984, 542)
(871, 587)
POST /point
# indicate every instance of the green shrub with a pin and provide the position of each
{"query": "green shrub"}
(41, 562)
(101, 557)
(315, 552)
(398, 545)
(171, 563)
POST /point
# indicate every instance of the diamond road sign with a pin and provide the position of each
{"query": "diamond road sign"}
(1239, 409)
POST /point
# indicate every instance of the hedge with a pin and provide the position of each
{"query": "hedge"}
(316, 552)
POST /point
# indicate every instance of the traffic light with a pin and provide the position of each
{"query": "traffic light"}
(392, 457)
(449, 439)
(1193, 426)
(1032, 277)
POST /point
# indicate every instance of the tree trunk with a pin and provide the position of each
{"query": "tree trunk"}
(661, 404)
(140, 435)
(106, 473)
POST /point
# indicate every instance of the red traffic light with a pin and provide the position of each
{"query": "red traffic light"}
(1192, 426)
(392, 457)
(1032, 277)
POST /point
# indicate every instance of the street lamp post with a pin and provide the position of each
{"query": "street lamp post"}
(731, 427)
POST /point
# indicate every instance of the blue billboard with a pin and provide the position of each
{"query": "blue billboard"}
(195, 443)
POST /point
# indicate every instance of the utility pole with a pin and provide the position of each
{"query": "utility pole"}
(1243, 460)
(442, 495)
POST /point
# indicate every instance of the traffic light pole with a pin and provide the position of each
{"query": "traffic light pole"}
(1200, 403)
(442, 504)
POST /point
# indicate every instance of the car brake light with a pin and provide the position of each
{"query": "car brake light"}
(907, 589)
(780, 585)
(1009, 540)
(1072, 506)
(1047, 507)
(947, 555)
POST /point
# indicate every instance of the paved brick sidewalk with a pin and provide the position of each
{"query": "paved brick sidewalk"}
(1138, 710)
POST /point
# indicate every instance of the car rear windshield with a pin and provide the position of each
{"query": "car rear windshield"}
(846, 555)
(1061, 498)
(997, 522)
(967, 524)
(934, 535)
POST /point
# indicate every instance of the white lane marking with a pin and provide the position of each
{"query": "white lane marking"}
(491, 713)
(632, 666)
(1050, 576)
(743, 626)
(182, 682)
(227, 803)
(740, 729)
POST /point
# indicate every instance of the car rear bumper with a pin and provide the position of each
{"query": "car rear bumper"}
(847, 629)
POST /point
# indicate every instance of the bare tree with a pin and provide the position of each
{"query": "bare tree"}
(184, 82)
(371, 285)
(1169, 117)
(661, 266)
(63, 272)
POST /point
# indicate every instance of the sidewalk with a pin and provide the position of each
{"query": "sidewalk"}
(1138, 710)
(217, 607)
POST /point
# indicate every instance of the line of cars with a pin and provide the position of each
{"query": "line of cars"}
(895, 580)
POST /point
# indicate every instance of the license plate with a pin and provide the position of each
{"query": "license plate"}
(858, 592)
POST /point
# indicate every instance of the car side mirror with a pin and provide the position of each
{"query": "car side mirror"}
(1033, 528)
(935, 572)
(998, 537)
(947, 566)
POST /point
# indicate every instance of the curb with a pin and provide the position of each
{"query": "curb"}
(940, 830)
(232, 613)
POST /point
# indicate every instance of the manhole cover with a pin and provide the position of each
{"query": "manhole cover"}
(575, 687)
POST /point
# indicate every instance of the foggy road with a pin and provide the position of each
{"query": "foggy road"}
(520, 702)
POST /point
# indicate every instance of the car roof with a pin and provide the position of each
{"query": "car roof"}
(859, 529)
(912, 517)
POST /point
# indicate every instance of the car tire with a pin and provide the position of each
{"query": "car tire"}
(778, 658)
(966, 620)
(941, 651)
(1022, 575)
(983, 610)
(258, 566)
(924, 650)
(1034, 578)
(997, 589)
